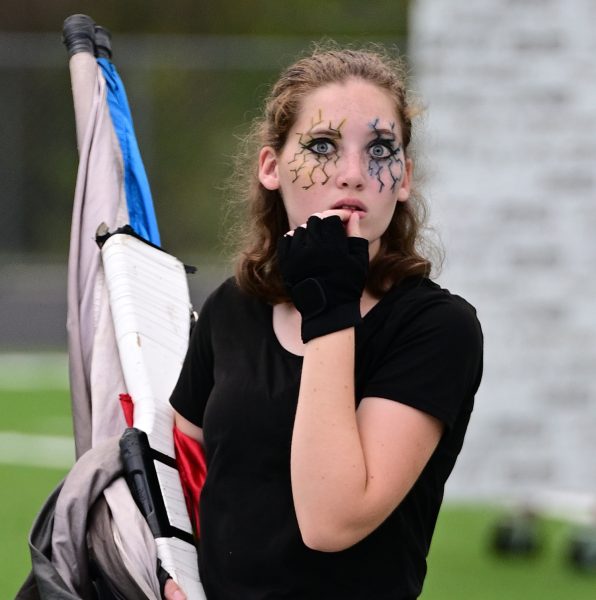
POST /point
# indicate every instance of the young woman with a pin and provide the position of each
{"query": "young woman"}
(331, 381)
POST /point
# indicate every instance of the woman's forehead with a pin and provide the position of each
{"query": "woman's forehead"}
(353, 98)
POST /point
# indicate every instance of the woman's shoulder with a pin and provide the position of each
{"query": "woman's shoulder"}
(419, 303)
(226, 291)
(228, 299)
(422, 294)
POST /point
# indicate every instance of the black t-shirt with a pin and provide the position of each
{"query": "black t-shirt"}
(420, 345)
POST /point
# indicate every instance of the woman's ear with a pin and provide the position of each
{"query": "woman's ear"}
(268, 171)
(403, 193)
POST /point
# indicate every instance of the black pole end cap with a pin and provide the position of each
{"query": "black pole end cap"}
(78, 34)
(103, 42)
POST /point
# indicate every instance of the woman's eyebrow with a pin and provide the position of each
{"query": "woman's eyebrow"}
(328, 131)
(336, 133)
(325, 127)
(388, 133)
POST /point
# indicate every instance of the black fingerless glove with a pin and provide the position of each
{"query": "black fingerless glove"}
(325, 273)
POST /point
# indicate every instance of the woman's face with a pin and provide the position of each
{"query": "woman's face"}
(344, 152)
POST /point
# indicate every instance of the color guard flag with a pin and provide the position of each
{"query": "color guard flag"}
(91, 538)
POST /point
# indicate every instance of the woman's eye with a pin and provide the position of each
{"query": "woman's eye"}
(380, 151)
(321, 147)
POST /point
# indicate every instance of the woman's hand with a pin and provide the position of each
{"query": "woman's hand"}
(324, 265)
(349, 218)
(172, 591)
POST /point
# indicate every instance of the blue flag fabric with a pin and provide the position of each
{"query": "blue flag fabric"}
(138, 194)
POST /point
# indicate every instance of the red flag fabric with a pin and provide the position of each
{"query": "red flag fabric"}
(192, 467)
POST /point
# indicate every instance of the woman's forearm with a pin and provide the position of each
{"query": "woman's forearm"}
(328, 468)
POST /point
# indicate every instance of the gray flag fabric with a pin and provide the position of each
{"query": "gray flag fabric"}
(95, 374)
(75, 516)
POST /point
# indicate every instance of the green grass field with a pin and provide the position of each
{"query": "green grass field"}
(460, 565)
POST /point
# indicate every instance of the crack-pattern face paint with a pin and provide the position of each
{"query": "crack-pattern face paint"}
(317, 148)
(384, 157)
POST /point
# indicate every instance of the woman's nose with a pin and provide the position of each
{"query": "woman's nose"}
(351, 171)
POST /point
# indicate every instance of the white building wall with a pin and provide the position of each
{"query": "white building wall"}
(510, 146)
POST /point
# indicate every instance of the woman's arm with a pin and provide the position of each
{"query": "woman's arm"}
(188, 428)
(350, 469)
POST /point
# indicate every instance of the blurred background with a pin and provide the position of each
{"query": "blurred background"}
(507, 147)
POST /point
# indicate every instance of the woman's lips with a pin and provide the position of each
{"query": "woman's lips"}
(351, 205)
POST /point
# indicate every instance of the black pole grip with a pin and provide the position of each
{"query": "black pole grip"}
(139, 472)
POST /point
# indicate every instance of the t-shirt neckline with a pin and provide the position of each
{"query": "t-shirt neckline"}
(402, 285)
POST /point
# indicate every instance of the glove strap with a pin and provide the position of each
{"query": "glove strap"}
(309, 298)
(340, 317)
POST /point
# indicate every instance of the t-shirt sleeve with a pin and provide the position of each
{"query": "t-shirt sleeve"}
(434, 361)
(195, 381)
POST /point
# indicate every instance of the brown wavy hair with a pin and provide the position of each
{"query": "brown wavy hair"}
(264, 217)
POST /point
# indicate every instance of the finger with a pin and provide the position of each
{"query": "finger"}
(299, 235)
(331, 229)
(342, 213)
(353, 225)
(172, 591)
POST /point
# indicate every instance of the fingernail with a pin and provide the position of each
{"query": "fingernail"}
(178, 595)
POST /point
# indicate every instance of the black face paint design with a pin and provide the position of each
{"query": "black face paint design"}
(311, 147)
(390, 161)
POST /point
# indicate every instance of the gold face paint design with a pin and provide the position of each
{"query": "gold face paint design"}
(317, 151)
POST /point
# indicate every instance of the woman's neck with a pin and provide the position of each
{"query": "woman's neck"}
(287, 323)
